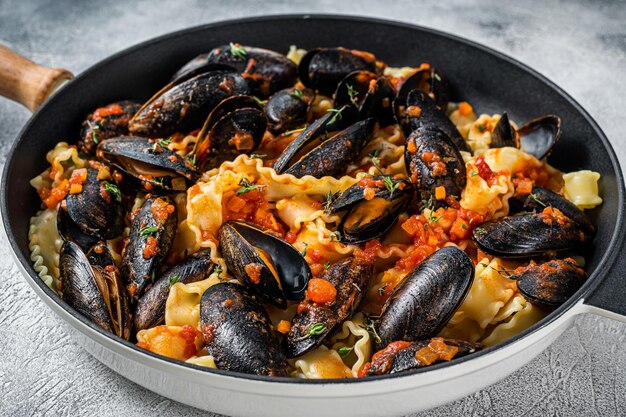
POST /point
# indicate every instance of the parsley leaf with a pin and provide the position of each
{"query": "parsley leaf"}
(174, 279)
(344, 351)
(259, 101)
(148, 230)
(352, 94)
(297, 93)
(316, 329)
(370, 326)
(247, 186)
(327, 266)
(536, 198)
(336, 115)
(303, 253)
(238, 51)
(114, 190)
(389, 184)
(257, 156)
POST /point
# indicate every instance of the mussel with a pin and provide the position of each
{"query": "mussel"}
(69, 231)
(150, 309)
(372, 206)
(323, 68)
(318, 318)
(238, 333)
(106, 122)
(536, 137)
(97, 208)
(551, 283)
(540, 198)
(152, 233)
(428, 80)
(425, 300)
(183, 106)
(267, 265)
(419, 110)
(91, 284)
(527, 235)
(371, 94)
(235, 126)
(149, 163)
(308, 156)
(432, 161)
(404, 356)
(266, 71)
(288, 109)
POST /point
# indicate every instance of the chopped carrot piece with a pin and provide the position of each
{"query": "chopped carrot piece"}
(440, 192)
(283, 326)
(465, 109)
(76, 188)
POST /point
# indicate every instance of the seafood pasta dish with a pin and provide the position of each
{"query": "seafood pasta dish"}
(318, 214)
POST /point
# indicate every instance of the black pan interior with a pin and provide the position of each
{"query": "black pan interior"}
(491, 82)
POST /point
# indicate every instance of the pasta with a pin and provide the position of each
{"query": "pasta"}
(314, 225)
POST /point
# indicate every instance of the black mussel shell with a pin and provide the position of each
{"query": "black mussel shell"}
(333, 156)
(235, 126)
(69, 231)
(96, 210)
(182, 107)
(527, 235)
(542, 198)
(371, 94)
(316, 322)
(91, 284)
(149, 163)
(265, 263)
(419, 110)
(549, 284)
(323, 68)
(150, 309)
(106, 122)
(503, 133)
(432, 161)
(425, 300)
(152, 233)
(238, 332)
(539, 136)
(288, 109)
(431, 82)
(394, 358)
(368, 219)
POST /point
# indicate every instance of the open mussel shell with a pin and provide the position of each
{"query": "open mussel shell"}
(149, 163)
(331, 157)
(551, 283)
(152, 233)
(403, 356)
(323, 68)
(238, 333)
(369, 93)
(314, 135)
(150, 309)
(350, 278)
(503, 133)
(425, 300)
(184, 106)
(539, 136)
(106, 122)
(527, 235)
(432, 160)
(235, 126)
(95, 210)
(419, 110)
(369, 218)
(267, 265)
(288, 109)
(540, 198)
(431, 82)
(69, 231)
(266, 71)
(91, 284)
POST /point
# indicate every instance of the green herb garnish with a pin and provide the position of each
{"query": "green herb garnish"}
(257, 156)
(335, 236)
(330, 197)
(217, 270)
(191, 158)
(148, 230)
(94, 131)
(480, 231)
(344, 351)
(536, 198)
(259, 101)
(165, 142)
(114, 190)
(291, 132)
(353, 94)
(375, 153)
(238, 51)
(174, 279)
(327, 266)
(391, 187)
(303, 253)
(381, 290)
(463, 226)
(247, 186)
(481, 128)
(473, 174)
(316, 329)
(370, 326)
(297, 93)
(336, 115)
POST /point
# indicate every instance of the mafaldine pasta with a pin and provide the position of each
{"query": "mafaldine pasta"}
(311, 215)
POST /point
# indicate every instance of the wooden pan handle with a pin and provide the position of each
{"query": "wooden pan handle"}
(27, 83)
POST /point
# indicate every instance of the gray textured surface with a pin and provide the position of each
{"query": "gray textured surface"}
(580, 45)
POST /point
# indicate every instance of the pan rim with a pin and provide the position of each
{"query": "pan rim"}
(595, 278)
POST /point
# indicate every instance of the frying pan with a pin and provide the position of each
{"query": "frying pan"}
(489, 80)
